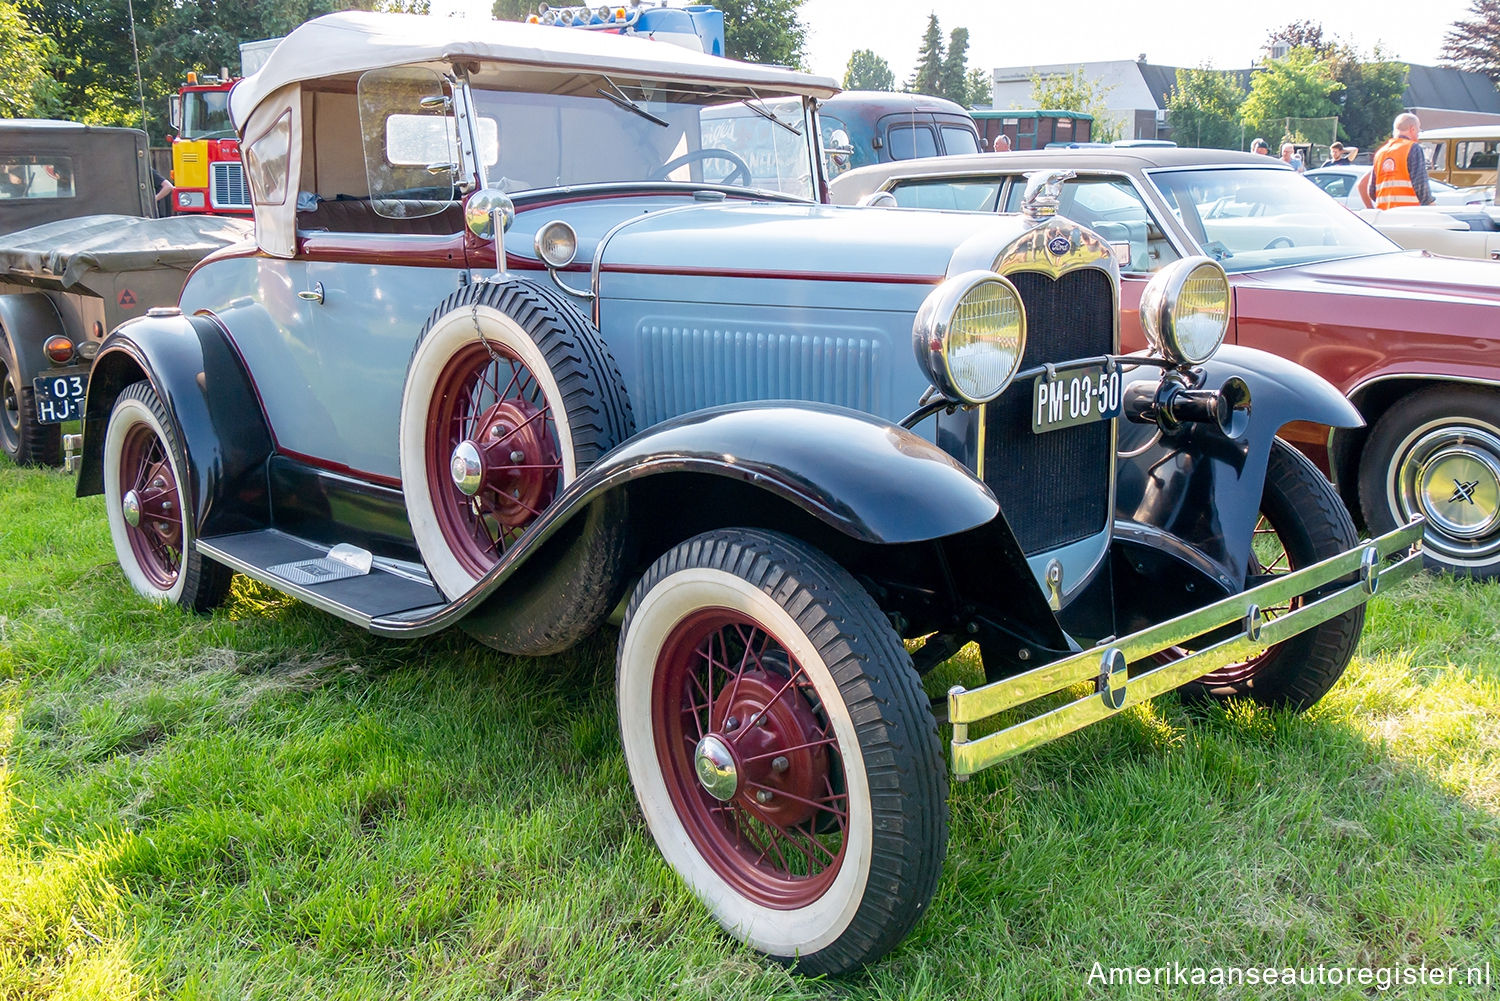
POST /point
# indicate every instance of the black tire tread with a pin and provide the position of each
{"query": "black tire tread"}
(891, 715)
(35, 444)
(1301, 670)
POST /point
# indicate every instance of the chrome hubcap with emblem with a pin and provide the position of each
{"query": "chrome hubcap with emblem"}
(1450, 474)
(716, 768)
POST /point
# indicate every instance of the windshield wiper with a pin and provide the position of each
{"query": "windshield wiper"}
(768, 116)
(617, 96)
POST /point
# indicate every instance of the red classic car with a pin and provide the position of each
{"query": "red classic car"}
(1413, 339)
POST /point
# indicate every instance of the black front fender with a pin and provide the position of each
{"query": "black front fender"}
(1202, 487)
(870, 482)
(219, 423)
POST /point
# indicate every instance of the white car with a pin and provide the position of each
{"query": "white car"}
(1463, 222)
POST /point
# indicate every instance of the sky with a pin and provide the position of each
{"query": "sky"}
(1228, 34)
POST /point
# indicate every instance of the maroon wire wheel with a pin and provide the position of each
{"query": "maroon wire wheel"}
(750, 759)
(494, 459)
(152, 506)
(1268, 559)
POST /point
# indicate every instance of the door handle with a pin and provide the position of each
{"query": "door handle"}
(314, 294)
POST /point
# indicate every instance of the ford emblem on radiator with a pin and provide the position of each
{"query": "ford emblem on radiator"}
(1059, 245)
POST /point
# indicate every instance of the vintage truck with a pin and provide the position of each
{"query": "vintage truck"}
(543, 325)
(79, 254)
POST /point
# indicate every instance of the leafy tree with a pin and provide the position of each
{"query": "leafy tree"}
(1474, 43)
(1076, 92)
(512, 10)
(27, 89)
(868, 71)
(1299, 86)
(953, 82)
(764, 31)
(1371, 96)
(1301, 35)
(1204, 109)
(980, 88)
(927, 78)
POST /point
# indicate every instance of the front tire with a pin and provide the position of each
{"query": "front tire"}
(26, 440)
(782, 749)
(1436, 453)
(1302, 520)
(144, 468)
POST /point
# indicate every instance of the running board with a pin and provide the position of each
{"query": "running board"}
(389, 590)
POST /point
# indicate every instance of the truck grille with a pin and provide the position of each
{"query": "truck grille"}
(1053, 487)
(227, 188)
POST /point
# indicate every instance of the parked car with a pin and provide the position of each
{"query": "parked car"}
(650, 366)
(862, 127)
(1463, 155)
(1341, 183)
(1411, 339)
(1461, 223)
(68, 273)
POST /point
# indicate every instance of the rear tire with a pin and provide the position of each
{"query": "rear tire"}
(1302, 520)
(820, 842)
(144, 467)
(27, 441)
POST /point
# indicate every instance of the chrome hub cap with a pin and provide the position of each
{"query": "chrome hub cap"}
(130, 507)
(467, 468)
(715, 767)
(1459, 491)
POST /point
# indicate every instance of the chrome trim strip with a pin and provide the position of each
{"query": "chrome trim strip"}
(967, 707)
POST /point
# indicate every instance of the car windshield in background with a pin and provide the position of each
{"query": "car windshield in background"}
(205, 115)
(1250, 218)
(646, 132)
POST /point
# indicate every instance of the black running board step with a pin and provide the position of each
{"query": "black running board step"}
(378, 594)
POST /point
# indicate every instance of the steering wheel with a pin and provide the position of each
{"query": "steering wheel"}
(1277, 243)
(741, 168)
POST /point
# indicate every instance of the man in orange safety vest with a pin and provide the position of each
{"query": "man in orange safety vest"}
(1399, 176)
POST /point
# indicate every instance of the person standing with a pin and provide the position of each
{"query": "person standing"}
(1338, 156)
(163, 195)
(1399, 177)
(1259, 146)
(1290, 158)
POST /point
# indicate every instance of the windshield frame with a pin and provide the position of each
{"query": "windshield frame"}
(1380, 244)
(479, 97)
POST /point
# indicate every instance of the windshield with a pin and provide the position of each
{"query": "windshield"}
(205, 115)
(1253, 218)
(642, 131)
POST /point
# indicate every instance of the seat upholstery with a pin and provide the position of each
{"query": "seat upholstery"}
(357, 215)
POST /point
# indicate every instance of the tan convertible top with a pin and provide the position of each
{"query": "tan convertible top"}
(352, 42)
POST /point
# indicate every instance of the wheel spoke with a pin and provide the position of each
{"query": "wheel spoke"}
(821, 805)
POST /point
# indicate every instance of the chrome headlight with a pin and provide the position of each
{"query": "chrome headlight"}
(556, 244)
(969, 336)
(1185, 310)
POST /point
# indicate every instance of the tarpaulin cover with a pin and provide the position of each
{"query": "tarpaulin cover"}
(63, 254)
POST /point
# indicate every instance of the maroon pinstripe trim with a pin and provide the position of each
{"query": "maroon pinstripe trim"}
(811, 276)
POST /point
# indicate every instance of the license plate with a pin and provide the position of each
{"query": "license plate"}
(1073, 396)
(59, 398)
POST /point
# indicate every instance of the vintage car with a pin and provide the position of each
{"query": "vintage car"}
(862, 127)
(1462, 222)
(1463, 155)
(79, 254)
(542, 320)
(1413, 340)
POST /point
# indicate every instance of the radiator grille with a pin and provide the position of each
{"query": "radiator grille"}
(1053, 487)
(686, 367)
(227, 188)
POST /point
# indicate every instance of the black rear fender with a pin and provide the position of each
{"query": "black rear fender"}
(195, 371)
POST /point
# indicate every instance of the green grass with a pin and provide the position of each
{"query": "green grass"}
(269, 803)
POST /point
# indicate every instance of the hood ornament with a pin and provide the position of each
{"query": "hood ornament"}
(1043, 191)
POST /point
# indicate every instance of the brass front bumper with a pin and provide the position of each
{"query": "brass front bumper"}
(1105, 664)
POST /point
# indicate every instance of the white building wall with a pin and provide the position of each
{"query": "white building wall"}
(1126, 92)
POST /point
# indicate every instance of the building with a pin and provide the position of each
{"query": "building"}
(1136, 93)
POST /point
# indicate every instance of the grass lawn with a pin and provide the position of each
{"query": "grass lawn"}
(270, 803)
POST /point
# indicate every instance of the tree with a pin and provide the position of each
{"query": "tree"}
(953, 82)
(27, 89)
(868, 71)
(1076, 92)
(980, 88)
(764, 31)
(1299, 86)
(1203, 109)
(927, 78)
(1474, 43)
(1301, 35)
(1371, 98)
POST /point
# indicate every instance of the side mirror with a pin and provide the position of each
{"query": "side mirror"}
(174, 111)
(878, 200)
